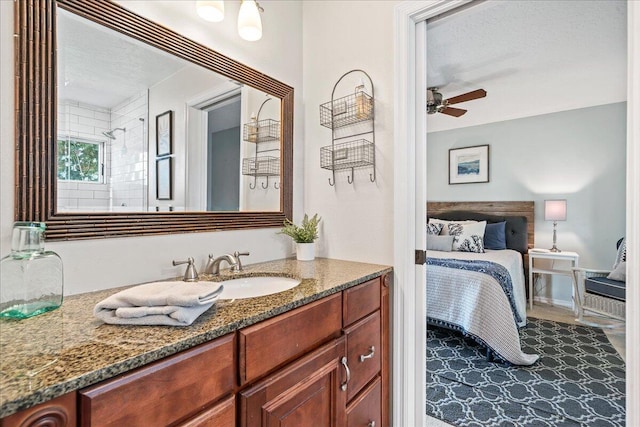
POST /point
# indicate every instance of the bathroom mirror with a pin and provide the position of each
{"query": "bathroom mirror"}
(132, 145)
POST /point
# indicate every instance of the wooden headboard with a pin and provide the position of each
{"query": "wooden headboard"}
(525, 209)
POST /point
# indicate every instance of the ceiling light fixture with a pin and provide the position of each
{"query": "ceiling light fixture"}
(212, 11)
(249, 21)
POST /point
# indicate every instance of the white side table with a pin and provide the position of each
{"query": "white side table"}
(570, 257)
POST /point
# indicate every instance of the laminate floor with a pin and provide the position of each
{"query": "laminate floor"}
(559, 314)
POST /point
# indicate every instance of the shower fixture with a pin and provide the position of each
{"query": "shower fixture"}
(109, 133)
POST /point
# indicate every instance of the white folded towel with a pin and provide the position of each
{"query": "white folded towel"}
(159, 303)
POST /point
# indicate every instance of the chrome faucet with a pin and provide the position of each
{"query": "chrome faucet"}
(191, 274)
(213, 265)
(238, 267)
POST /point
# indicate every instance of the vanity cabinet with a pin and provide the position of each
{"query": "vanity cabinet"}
(341, 383)
(325, 363)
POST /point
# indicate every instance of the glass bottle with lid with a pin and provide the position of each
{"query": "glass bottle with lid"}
(30, 278)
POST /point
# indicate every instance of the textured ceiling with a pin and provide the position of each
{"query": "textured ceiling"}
(532, 57)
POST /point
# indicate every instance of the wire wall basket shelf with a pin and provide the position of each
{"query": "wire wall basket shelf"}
(261, 131)
(348, 110)
(347, 155)
(346, 113)
(261, 166)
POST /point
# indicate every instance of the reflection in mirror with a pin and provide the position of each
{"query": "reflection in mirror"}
(114, 94)
(37, 156)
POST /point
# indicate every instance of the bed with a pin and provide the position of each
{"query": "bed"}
(476, 291)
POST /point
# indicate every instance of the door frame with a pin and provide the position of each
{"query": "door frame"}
(409, 305)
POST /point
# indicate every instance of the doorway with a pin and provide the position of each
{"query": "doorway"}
(410, 205)
(213, 152)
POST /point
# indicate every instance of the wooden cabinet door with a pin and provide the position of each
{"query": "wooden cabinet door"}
(304, 393)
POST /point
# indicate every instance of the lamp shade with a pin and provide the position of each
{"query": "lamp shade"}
(249, 22)
(212, 11)
(555, 210)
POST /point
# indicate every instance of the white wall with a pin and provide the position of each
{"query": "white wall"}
(338, 37)
(104, 263)
(578, 155)
(172, 94)
(253, 195)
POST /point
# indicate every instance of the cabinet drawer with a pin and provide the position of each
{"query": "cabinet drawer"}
(221, 414)
(363, 352)
(364, 411)
(361, 300)
(271, 343)
(165, 391)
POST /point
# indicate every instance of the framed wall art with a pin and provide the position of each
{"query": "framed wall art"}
(164, 133)
(163, 179)
(469, 164)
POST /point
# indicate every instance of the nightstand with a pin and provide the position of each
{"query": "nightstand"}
(569, 259)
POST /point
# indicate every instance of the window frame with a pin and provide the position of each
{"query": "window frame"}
(67, 140)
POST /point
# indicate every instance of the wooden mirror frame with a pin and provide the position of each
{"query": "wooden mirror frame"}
(36, 115)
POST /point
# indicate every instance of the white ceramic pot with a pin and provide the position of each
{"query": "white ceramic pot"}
(305, 251)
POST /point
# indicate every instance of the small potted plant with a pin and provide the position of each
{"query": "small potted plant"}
(304, 235)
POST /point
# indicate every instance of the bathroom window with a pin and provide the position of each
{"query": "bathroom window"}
(80, 160)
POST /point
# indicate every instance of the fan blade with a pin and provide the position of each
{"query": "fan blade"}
(455, 112)
(480, 93)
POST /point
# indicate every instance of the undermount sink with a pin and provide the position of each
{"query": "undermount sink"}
(257, 286)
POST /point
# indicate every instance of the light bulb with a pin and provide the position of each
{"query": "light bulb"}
(249, 22)
(212, 11)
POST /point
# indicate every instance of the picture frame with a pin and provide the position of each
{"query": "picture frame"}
(164, 187)
(469, 165)
(164, 133)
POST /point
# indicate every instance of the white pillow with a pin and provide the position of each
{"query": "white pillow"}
(439, 243)
(468, 237)
(619, 273)
(445, 223)
(434, 228)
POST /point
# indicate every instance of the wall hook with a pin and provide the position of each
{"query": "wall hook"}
(350, 178)
(372, 177)
(265, 186)
(334, 183)
(276, 185)
(254, 184)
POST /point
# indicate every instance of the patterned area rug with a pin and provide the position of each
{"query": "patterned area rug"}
(578, 381)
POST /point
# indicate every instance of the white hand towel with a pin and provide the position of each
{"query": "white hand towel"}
(159, 303)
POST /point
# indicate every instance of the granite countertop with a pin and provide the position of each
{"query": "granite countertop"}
(67, 349)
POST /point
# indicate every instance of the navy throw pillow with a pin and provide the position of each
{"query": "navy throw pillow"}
(494, 236)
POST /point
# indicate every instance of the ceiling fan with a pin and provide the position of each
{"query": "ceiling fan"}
(437, 104)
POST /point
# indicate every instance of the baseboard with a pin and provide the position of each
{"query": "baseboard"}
(554, 302)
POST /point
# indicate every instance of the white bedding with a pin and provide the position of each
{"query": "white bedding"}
(476, 303)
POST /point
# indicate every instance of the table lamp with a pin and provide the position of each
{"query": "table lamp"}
(555, 210)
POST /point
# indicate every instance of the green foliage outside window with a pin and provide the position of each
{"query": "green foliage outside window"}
(78, 161)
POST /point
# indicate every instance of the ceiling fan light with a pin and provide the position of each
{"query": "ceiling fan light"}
(249, 22)
(212, 10)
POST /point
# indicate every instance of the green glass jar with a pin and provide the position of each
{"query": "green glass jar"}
(30, 278)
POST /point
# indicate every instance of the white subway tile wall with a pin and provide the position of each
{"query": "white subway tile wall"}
(124, 188)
